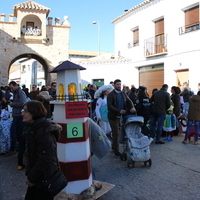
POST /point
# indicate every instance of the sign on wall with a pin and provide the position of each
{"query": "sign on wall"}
(77, 109)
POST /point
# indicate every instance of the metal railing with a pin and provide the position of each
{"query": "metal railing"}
(156, 45)
(188, 28)
(31, 31)
(74, 97)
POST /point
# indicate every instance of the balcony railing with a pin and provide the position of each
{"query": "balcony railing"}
(31, 31)
(156, 45)
(189, 28)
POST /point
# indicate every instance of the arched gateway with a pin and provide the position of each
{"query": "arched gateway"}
(30, 37)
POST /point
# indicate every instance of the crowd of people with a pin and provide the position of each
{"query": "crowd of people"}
(12, 99)
(110, 105)
(161, 111)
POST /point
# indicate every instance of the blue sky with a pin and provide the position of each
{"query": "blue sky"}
(81, 13)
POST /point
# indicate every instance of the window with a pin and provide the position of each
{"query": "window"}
(159, 36)
(192, 19)
(23, 70)
(40, 68)
(29, 25)
(135, 41)
(136, 37)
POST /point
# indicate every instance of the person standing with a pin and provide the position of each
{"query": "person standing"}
(175, 97)
(143, 106)
(161, 103)
(33, 94)
(19, 98)
(169, 124)
(41, 150)
(133, 94)
(2, 100)
(186, 96)
(193, 116)
(92, 90)
(102, 112)
(45, 98)
(119, 104)
(52, 92)
(198, 86)
(26, 90)
(8, 93)
(5, 125)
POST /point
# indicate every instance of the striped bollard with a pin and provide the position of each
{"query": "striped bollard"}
(74, 145)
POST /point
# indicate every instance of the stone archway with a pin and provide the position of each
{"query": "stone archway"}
(49, 48)
(39, 59)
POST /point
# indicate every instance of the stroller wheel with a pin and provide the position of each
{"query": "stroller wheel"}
(150, 162)
(131, 164)
(123, 156)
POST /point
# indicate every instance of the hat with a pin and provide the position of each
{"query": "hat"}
(142, 88)
(101, 89)
(170, 108)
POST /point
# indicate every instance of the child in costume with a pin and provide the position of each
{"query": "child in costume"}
(170, 124)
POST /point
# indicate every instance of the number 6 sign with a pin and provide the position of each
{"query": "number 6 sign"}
(74, 130)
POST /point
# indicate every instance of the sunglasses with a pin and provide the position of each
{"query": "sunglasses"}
(24, 111)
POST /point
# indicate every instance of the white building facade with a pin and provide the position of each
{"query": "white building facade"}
(102, 71)
(30, 72)
(162, 39)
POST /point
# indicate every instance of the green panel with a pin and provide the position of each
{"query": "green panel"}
(98, 82)
(75, 130)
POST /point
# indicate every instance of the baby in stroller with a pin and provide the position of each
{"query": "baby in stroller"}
(136, 143)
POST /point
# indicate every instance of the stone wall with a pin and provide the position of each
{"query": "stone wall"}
(52, 52)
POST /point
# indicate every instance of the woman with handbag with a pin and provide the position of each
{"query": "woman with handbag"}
(42, 168)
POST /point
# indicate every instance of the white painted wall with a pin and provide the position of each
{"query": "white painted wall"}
(116, 69)
(183, 50)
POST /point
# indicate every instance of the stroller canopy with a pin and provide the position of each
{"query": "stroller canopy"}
(134, 119)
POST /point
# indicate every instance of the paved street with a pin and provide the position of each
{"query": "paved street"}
(174, 175)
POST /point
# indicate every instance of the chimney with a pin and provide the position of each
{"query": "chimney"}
(3, 16)
(57, 21)
(11, 17)
(50, 20)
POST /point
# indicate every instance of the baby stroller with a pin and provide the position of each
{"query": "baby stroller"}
(136, 143)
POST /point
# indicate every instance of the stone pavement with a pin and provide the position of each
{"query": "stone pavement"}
(174, 175)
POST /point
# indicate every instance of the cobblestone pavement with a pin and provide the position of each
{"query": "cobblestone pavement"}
(174, 175)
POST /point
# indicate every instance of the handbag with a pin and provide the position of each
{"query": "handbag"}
(56, 183)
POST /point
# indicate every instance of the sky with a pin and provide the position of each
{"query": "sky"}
(84, 35)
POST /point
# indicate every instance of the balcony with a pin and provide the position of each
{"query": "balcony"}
(189, 28)
(156, 46)
(31, 31)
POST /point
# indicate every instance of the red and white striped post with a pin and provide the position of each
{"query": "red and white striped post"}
(72, 115)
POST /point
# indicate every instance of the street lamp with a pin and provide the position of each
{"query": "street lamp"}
(96, 22)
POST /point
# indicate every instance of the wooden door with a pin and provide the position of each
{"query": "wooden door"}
(151, 79)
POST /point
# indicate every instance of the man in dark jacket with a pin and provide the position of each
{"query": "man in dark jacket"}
(16, 130)
(33, 94)
(161, 102)
(119, 105)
